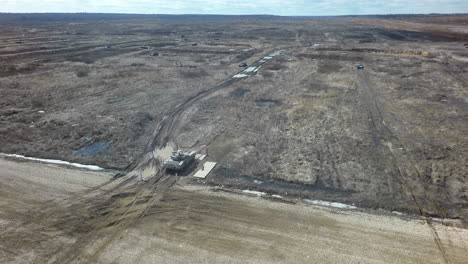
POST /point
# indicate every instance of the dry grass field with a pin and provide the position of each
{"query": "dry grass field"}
(302, 123)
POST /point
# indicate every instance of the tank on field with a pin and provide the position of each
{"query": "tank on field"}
(179, 160)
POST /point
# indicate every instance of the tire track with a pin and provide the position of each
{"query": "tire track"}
(379, 129)
(127, 210)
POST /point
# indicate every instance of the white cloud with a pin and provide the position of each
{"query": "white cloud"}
(277, 7)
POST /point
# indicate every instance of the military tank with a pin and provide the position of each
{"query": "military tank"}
(179, 160)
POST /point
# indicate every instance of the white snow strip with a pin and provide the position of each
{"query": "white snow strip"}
(331, 204)
(267, 58)
(275, 53)
(205, 170)
(200, 157)
(250, 69)
(254, 192)
(240, 75)
(397, 213)
(277, 196)
(52, 161)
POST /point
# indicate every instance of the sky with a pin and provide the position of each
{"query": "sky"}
(239, 7)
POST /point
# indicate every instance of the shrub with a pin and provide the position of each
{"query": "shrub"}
(81, 73)
(193, 74)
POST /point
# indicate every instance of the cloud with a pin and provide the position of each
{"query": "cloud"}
(276, 7)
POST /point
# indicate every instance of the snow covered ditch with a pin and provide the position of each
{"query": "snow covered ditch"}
(331, 204)
(314, 202)
(53, 161)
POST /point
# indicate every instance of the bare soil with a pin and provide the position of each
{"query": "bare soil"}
(308, 125)
(52, 214)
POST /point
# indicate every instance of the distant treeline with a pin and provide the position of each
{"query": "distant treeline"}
(19, 18)
(60, 17)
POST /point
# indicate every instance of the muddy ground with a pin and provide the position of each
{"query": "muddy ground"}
(308, 124)
(51, 214)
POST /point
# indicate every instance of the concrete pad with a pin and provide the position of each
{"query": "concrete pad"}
(200, 157)
(205, 170)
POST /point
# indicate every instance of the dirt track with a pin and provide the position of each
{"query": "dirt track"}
(195, 224)
(304, 125)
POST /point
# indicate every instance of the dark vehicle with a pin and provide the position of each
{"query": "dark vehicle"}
(243, 64)
(179, 161)
(359, 66)
(154, 53)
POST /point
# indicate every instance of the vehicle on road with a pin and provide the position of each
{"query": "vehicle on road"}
(243, 65)
(179, 160)
(359, 66)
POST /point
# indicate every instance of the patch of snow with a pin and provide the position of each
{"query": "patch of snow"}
(52, 161)
(250, 69)
(200, 157)
(397, 213)
(331, 204)
(41, 112)
(240, 75)
(277, 196)
(267, 58)
(254, 192)
(257, 182)
(275, 53)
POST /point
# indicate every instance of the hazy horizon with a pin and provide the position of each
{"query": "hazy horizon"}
(239, 7)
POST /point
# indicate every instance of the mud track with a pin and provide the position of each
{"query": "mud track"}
(171, 120)
(383, 135)
(106, 211)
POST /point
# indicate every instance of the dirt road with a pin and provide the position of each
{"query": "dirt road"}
(195, 225)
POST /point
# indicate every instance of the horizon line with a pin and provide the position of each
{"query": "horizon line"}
(214, 14)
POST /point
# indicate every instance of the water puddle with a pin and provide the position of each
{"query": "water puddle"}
(376, 141)
(240, 93)
(266, 103)
(94, 149)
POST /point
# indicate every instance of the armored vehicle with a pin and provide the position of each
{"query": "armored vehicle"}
(179, 160)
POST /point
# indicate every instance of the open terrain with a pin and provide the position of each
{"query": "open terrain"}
(301, 122)
(52, 214)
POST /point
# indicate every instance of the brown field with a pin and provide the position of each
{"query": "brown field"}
(305, 125)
